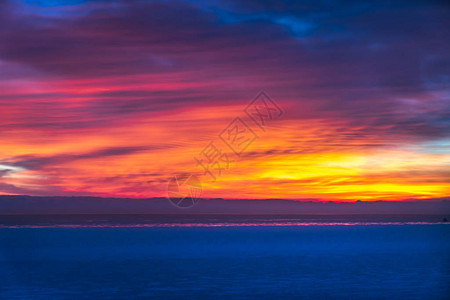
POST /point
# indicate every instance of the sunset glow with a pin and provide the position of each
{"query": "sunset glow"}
(112, 100)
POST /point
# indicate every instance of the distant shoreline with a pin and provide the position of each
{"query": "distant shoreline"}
(33, 205)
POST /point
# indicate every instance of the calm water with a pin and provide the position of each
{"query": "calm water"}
(340, 257)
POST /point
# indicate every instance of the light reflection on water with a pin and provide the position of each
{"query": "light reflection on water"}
(222, 224)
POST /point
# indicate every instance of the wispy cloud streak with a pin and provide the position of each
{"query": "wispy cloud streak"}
(93, 91)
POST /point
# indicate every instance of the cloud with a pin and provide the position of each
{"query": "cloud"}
(131, 38)
(32, 162)
(6, 188)
(5, 172)
(351, 76)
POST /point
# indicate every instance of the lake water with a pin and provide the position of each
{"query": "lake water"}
(224, 257)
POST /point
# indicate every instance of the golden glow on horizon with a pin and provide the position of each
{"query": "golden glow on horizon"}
(312, 158)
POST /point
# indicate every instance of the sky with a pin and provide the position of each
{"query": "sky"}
(327, 100)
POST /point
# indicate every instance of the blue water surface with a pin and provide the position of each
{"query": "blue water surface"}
(260, 262)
